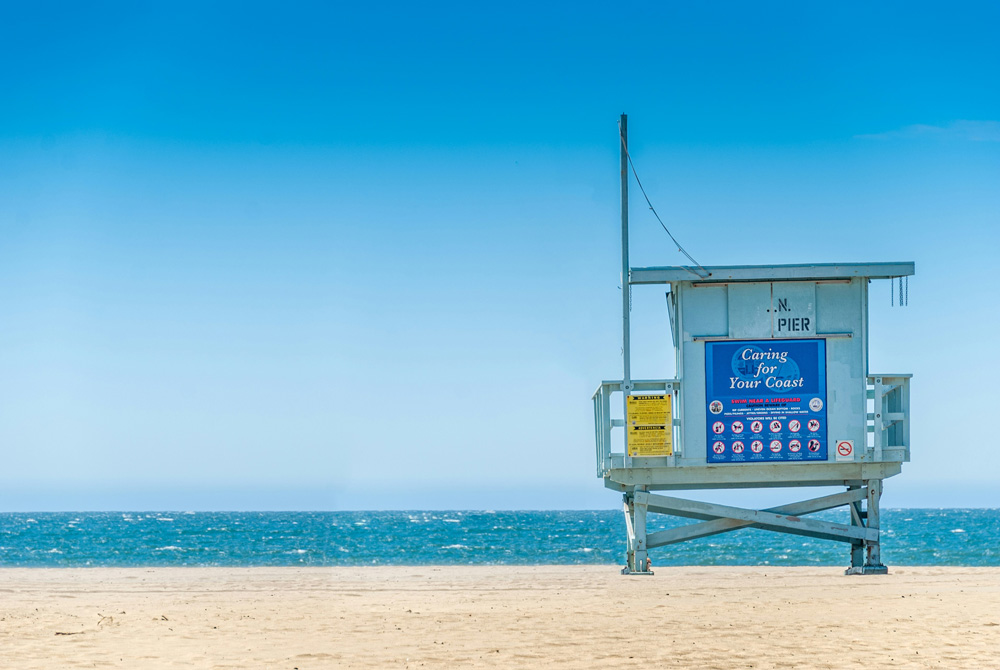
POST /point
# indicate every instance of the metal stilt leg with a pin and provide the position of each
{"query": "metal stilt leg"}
(872, 546)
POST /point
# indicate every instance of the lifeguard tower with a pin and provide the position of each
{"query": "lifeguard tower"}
(772, 389)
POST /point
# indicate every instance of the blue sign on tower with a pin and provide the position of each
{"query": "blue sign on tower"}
(766, 400)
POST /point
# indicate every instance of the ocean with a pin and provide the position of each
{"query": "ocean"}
(956, 537)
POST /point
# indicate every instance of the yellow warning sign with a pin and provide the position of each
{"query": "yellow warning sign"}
(648, 409)
(650, 425)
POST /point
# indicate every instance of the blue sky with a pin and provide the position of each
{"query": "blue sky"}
(320, 257)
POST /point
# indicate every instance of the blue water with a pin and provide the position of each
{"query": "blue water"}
(961, 537)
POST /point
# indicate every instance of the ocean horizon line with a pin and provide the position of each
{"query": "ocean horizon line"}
(913, 536)
(483, 510)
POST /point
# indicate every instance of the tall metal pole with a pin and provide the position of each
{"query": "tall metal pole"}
(626, 293)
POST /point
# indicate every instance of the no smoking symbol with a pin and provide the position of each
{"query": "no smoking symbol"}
(845, 448)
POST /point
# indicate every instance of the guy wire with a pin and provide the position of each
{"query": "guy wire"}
(653, 209)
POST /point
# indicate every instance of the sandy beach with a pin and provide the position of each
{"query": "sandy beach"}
(500, 617)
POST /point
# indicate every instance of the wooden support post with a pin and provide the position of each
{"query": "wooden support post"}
(857, 519)
(872, 546)
(635, 525)
(629, 531)
(639, 525)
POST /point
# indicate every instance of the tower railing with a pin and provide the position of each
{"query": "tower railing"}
(889, 418)
(888, 421)
(603, 422)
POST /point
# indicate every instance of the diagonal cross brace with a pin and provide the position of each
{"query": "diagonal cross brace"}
(717, 526)
(784, 519)
(628, 528)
